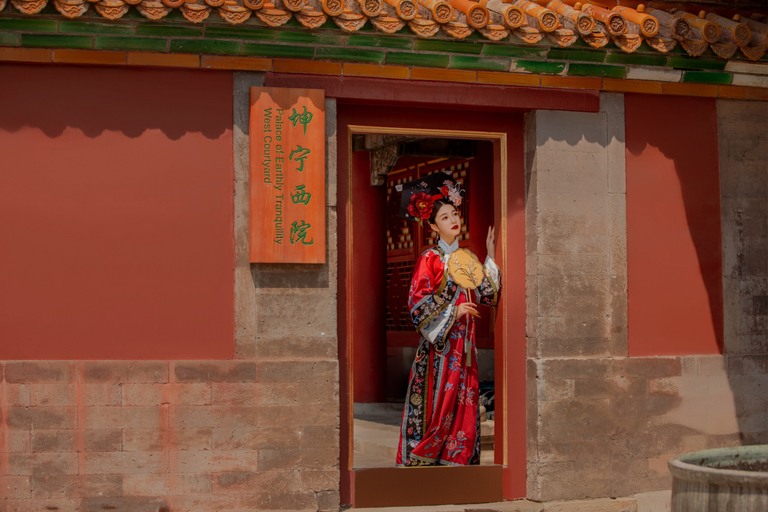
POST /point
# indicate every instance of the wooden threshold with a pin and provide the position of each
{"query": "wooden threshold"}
(416, 486)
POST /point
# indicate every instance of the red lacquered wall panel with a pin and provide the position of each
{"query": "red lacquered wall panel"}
(116, 213)
(673, 226)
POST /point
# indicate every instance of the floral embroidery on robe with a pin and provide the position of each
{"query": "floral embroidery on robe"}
(441, 417)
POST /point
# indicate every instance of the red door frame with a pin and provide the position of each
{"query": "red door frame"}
(510, 359)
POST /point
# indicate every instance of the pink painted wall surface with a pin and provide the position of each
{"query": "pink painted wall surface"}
(674, 257)
(116, 206)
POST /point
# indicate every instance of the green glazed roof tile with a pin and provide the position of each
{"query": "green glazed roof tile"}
(399, 43)
(577, 69)
(56, 41)
(467, 62)
(636, 59)
(538, 66)
(9, 39)
(696, 63)
(155, 29)
(349, 54)
(706, 77)
(204, 46)
(577, 55)
(28, 25)
(430, 45)
(131, 43)
(520, 52)
(254, 34)
(310, 38)
(274, 50)
(81, 27)
(417, 59)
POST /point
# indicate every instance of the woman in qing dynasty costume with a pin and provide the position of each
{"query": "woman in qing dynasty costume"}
(441, 418)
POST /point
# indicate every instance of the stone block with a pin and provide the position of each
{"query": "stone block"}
(17, 487)
(211, 372)
(574, 244)
(53, 441)
(15, 395)
(569, 161)
(296, 348)
(43, 371)
(612, 386)
(319, 458)
(245, 347)
(298, 313)
(619, 316)
(146, 485)
(587, 185)
(617, 207)
(42, 463)
(29, 418)
(565, 327)
(143, 394)
(246, 482)
(108, 440)
(47, 485)
(575, 411)
(576, 368)
(326, 436)
(268, 438)
(570, 131)
(102, 393)
(18, 440)
(554, 389)
(319, 392)
(242, 224)
(328, 501)
(125, 371)
(194, 484)
(320, 480)
(195, 393)
(331, 151)
(647, 366)
(580, 297)
(255, 394)
(123, 417)
(573, 264)
(152, 440)
(564, 219)
(574, 347)
(295, 371)
(216, 461)
(53, 395)
(123, 463)
(215, 416)
(245, 303)
(124, 504)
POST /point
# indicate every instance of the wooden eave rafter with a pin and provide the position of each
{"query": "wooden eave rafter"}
(529, 21)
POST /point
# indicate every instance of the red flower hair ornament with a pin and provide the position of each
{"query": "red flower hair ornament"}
(421, 206)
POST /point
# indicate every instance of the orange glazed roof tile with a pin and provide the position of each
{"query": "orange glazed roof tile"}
(561, 21)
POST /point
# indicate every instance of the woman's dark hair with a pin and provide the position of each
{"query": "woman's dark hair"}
(439, 203)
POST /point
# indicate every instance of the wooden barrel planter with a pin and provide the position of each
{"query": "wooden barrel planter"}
(720, 480)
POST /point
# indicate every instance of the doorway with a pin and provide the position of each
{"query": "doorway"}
(369, 258)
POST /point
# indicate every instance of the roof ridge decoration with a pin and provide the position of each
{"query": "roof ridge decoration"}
(561, 21)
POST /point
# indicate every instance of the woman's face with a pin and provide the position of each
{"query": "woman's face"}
(447, 223)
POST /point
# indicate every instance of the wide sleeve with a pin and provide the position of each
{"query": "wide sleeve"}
(432, 299)
(490, 288)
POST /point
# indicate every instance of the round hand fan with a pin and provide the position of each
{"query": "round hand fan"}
(465, 269)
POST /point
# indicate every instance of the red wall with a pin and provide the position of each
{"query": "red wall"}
(116, 213)
(673, 226)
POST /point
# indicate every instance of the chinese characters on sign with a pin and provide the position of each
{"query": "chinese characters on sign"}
(287, 175)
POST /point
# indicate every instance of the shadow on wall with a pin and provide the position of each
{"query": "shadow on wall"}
(187, 99)
(680, 134)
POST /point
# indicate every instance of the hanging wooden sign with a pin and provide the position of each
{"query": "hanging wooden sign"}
(287, 175)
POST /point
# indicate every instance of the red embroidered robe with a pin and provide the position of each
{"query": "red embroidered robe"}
(441, 418)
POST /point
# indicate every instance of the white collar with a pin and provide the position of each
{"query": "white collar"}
(448, 249)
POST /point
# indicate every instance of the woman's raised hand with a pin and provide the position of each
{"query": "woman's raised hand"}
(466, 308)
(489, 241)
